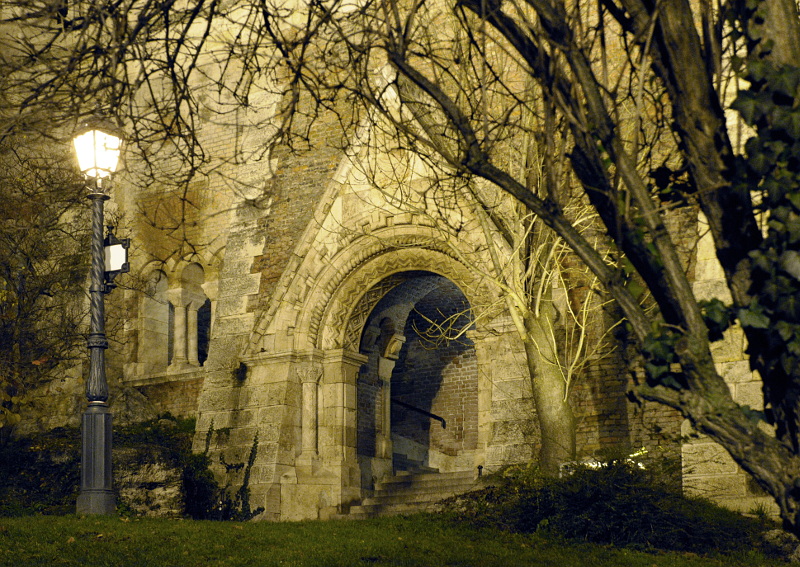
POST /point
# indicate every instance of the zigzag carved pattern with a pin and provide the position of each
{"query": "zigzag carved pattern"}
(330, 287)
(364, 307)
(344, 307)
(351, 261)
(405, 252)
(328, 290)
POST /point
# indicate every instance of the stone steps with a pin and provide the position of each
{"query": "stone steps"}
(410, 492)
(402, 463)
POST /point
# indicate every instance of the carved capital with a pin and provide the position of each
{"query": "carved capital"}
(391, 348)
(309, 373)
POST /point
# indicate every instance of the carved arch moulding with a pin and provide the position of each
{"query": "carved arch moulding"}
(338, 324)
(319, 315)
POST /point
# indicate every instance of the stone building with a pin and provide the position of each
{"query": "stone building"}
(299, 329)
(284, 303)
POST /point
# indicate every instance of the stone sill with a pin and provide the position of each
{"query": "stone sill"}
(177, 375)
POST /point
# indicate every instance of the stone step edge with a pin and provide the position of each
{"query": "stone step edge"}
(410, 478)
(408, 499)
(425, 489)
(424, 486)
(372, 510)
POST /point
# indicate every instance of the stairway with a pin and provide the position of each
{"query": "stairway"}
(412, 491)
(402, 464)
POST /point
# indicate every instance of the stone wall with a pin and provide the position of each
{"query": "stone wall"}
(148, 483)
(506, 412)
(288, 293)
(178, 398)
(609, 423)
(708, 470)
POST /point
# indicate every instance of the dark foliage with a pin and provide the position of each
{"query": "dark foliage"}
(40, 475)
(42, 271)
(200, 487)
(618, 504)
(172, 436)
(225, 504)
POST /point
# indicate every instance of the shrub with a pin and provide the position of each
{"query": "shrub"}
(618, 504)
(40, 475)
(200, 487)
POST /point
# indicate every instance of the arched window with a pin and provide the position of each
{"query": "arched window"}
(175, 323)
(156, 329)
(192, 320)
(203, 331)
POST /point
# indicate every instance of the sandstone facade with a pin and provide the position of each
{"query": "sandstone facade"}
(284, 301)
(300, 329)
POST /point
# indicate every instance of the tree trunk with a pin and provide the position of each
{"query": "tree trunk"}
(554, 413)
(781, 27)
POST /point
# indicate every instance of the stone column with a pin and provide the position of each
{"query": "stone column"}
(486, 347)
(179, 330)
(309, 377)
(191, 333)
(338, 433)
(386, 363)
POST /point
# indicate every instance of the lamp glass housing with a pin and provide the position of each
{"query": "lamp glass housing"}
(98, 152)
(116, 256)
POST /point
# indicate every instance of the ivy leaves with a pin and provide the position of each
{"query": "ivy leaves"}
(717, 316)
(771, 166)
(660, 346)
(661, 358)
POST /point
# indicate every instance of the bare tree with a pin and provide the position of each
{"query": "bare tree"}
(615, 72)
(589, 61)
(552, 299)
(42, 275)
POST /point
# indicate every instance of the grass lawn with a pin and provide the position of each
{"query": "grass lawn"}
(415, 540)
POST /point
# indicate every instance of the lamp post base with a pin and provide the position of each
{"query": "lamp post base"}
(96, 495)
(96, 502)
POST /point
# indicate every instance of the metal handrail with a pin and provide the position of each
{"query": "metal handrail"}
(438, 418)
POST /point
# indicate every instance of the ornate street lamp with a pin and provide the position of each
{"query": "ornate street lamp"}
(97, 145)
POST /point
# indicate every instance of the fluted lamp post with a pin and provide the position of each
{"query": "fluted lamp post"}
(97, 145)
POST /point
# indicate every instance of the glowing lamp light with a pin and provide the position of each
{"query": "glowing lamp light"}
(115, 252)
(98, 149)
(116, 257)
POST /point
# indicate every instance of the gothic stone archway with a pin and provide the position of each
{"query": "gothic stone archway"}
(417, 393)
(314, 434)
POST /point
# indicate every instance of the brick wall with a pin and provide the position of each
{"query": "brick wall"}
(368, 395)
(442, 381)
(609, 423)
(295, 190)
